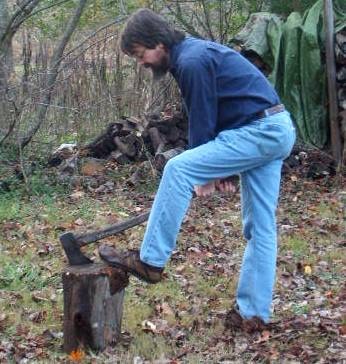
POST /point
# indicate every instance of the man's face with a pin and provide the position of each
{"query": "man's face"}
(157, 59)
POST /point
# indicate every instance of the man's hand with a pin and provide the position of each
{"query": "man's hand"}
(205, 190)
(225, 185)
(222, 185)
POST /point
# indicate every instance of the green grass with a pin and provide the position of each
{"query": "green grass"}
(21, 274)
(298, 246)
(10, 207)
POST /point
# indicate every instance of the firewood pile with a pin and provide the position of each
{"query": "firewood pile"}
(340, 56)
(125, 141)
(131, 139)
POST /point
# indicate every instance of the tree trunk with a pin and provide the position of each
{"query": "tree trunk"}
(6, 65)
(93, 306)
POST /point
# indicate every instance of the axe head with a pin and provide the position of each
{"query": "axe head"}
(72, 250)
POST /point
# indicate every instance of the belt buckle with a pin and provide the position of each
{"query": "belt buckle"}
(267, 112)
(273, 110)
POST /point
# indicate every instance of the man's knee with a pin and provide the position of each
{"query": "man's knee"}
(175, 170)
(175, 165)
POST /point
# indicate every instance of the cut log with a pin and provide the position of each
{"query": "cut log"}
(156, 138)
(342, 98)
(162, 158)
(119, 157)
(134, 123)
(125, 147)
(341, 75)
(342, 120)
(93, 306)
(340, 47)
(173, 134)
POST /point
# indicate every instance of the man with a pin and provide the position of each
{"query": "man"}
(236, 126)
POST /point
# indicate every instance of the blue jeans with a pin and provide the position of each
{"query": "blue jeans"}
(256, 152)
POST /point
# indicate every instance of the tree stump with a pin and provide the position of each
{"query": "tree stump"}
(93, 306)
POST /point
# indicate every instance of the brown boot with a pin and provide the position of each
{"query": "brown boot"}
(130, 262)
(235, 322)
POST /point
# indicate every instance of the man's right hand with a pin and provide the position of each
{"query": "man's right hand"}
(223, 185)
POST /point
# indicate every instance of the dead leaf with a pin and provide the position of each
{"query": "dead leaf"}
(92, 167)
(342, 330)
(38, 317)
(307, 270)
(165, 309)
(77, 355)
(77, 195)
(79, 222)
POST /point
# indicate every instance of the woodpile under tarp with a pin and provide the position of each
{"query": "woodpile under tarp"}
(340, 57)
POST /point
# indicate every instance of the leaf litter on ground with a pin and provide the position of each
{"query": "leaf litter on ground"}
(185, 314)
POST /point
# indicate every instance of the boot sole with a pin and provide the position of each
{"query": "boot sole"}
(129, 270)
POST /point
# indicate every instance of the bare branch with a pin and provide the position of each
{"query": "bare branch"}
(207, 19)
(54, 65)
(187, 25)
(17, 18)
(103, 27)
(47, 7)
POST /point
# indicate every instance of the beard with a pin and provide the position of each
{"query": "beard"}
(159, 70)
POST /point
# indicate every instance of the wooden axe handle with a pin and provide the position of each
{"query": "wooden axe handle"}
(91, 236)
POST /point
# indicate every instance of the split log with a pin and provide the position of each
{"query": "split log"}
(162, 158)
(342, 98)
(342, 120)
(119, 157)
(157, 139)
(93, 306)
(127, 148)
(340, 47)
(173, 134)
(341, 75)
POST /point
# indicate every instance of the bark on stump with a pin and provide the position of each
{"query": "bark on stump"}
(93, 306)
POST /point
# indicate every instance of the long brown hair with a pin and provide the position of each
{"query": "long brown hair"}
(148, 29)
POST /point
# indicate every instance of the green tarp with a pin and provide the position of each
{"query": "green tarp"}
(293, 48)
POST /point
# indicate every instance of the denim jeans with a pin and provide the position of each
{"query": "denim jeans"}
(256, 152)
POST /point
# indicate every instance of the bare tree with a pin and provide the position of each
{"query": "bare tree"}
(53, 72)
(214, 20)
(9, 25)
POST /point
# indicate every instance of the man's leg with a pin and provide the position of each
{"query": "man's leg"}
(259, 194)
(232, 152)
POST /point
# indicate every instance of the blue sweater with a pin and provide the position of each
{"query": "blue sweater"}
(220, 88)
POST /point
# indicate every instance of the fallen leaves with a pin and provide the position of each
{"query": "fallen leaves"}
(188, 319)
(77, 355)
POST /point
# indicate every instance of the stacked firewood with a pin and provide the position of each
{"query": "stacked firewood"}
(131, 139)
(340, 55)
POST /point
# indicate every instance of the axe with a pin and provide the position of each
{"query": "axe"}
(72, 243)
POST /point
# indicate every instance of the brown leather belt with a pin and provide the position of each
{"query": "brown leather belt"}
(270, 111)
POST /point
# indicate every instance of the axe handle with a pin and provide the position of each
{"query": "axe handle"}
(91, 236)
